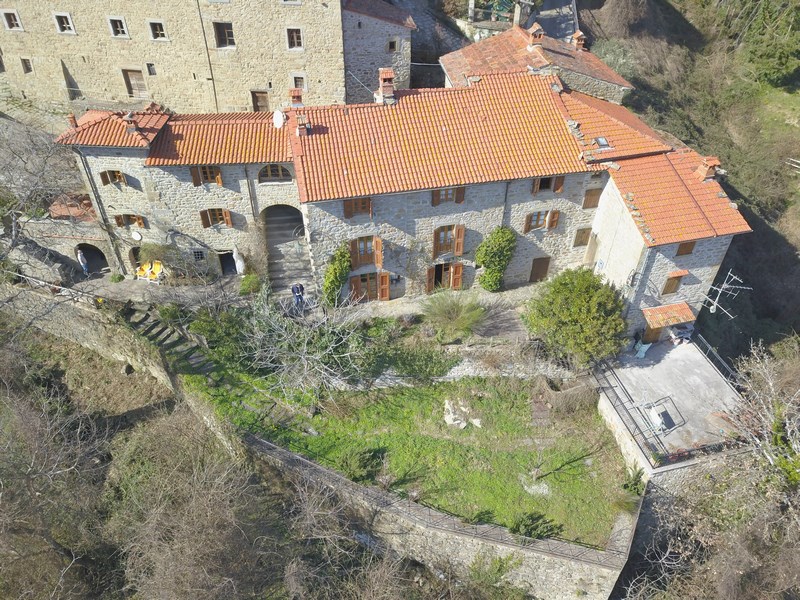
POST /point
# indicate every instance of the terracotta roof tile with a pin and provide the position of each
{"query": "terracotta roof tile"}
(679, 273)
(219, 139)
(377, 9)
(668, 314)
(107, 128)
(504, 127)
(508, 51)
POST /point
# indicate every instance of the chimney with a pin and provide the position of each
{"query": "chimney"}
(535, 35)
(73, 122)
(296, 94)
(578, 39)
(132, 127)
(385, 93)
(707, 169)
(303, 126)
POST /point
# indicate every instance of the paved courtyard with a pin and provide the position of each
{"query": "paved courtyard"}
(676, 396)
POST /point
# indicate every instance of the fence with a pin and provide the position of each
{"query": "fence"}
(428, 517)
(716, 360)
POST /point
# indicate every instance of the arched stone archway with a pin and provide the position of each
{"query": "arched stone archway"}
(288, 258)
(94, 256)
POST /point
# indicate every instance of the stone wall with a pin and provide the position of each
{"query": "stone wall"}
(593, 87)
(191, 74)
(364, 39)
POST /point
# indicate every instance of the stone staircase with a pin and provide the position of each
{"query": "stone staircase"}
(289, 259)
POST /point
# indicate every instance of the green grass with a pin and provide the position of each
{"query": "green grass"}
(478, 471)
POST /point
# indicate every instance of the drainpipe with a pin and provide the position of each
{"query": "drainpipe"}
(252, 193)
(208, 57)
(102, 210)
(506, 208)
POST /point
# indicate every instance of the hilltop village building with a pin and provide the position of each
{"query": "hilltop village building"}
(199, 55)
(412, 183)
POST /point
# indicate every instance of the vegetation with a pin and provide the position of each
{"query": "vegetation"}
(493, 254)
(336, 276)
(149, 252)
(453, 315)
(535, 526)
(251, 284)
(578, 315)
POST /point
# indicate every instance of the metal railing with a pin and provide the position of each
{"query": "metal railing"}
(716, 360)
(429, 517)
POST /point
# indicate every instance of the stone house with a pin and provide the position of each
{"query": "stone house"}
(198, 56)
(413, 182)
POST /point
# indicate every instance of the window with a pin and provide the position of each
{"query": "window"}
(11, 20)
(597, 175)
(453, 194)
(391, 46)
(198, 255)
(274, 172)
(602, 143)
(299, 82)
(357, 206)
(449, 238)
(591, 199)
(685, 248)
(206, 174)
(540, 219)
(215, 216)
(27, 65)
(157, 31)
(294, 38)
(134, 83)
(369, 286)
(223, 32)
(107, 177)
(672, 285)
(366, 250)
(64, 23)
(126, 220)
(558, 184)
(151, 69)
(582, 237)
(539, 269)
(542, 183)
(260, 101)
(118, 27)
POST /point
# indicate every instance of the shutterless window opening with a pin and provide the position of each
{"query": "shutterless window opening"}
(157, 31)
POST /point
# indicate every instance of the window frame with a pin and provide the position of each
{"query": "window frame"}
(670, 283)
(289, 40)
(212, 217)
(595, 202)
(129, 219)
(352, 207)
(68, 17)
(199, 172)
(681, 250)
(280, 178)
(150, 24)
(126, 35)
(536, 184)
(582, 231)
(226, 46)
(113, 177)
(389, 42)
(455, 194)
(15, 14)
(27, 65)
(533, 222)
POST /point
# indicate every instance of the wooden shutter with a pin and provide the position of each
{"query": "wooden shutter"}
(456, 275)
(671, 286)
(140, 221)
(218, 176)
(591, 198)
(436, 197)
(377, 251)
(460, 195)
(528, 223)
(458, 244)
(539, 269)
(196, 177)
(104, 178)
(354, 258)
(120, 220)
(348, 208)
(355, 288)
(430, 280)
(204, 219)
(535, 186)
(551, 222)
(122, 179)
(226, 214)
(436, 242)
(558, 184)
(383, 286)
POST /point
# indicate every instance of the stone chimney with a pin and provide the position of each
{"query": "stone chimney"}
(535, 35)
(385, 93)
(296, 94)
(73, 122)
(130, 121)
(303, 126)
(578, 40)
(707, 169)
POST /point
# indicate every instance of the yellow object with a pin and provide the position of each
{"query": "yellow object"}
(143, 271)
(156, 272)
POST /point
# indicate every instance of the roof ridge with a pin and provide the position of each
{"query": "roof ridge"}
(686, 187)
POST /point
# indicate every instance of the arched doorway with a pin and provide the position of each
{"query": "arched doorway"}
(288, 259)
(94, 256)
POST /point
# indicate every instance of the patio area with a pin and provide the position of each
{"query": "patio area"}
(672, 402)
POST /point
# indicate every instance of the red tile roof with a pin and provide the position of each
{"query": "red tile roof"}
(377, 9)
(508, 51)
(107, 128)
(668, 314)
(679, 273)
(219, 139)
(507, 126)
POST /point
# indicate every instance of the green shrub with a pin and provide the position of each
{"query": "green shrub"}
(359, 464)
(493, 254)
(453, 315)
(171, 314)
(534, 525)
(117, 277)
(251, 284)
(336, 276)
(421, 364)
(635, 482)
(222, 332)
(149, 252)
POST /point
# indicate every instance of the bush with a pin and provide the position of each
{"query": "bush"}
(534, 525)
(149, 252)
(336, 276)
(634, 482)
(117, 277)
(251, 284)
(171, 314)
(578, 316)
(359, 464)
(222, 332)
(493, 254)
(453, 315)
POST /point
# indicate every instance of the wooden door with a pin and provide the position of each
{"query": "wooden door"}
(457, 276)
(539, 269)
(652, 335)
(260, 101)
(134, 81)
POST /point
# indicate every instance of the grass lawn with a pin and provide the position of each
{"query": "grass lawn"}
(478, 472)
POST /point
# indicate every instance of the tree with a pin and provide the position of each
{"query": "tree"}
(578, 315)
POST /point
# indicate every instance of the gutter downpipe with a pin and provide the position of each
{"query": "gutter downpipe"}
(208, 57)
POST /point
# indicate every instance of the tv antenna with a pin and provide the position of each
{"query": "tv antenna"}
(731, 287)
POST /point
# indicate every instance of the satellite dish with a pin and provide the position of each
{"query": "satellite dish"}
(137, 236)
(278, 119)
